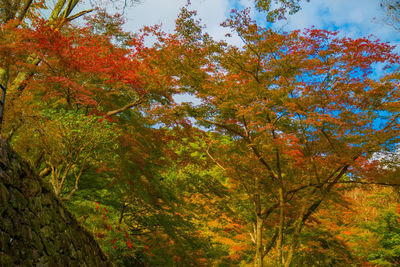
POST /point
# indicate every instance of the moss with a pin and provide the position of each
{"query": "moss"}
(31, 187)
(72, 252)
(5, 260)
(6, 179)
(36, 204)
(3, 198)
(47, 199)
(18, 200)
(44, 218)
(6, 225)
(4, 239)
(37, 241)
(43, 262)
(27, 233)
(49, 247)
(35, 223)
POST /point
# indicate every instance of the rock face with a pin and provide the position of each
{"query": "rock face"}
(35, 228)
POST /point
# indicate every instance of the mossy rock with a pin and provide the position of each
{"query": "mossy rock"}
(35, 228)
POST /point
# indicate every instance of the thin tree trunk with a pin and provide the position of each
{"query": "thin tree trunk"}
(259, 247)
(121, 217)
(279, 243)
(305, 213)
(259, 224)
(293, 245)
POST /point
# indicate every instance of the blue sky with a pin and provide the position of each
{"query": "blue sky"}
(353, 18)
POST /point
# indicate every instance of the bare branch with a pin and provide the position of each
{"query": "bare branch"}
(79, 14)
(212, 158)
(137, 102)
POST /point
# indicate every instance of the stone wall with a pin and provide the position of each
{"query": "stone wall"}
(35, 228)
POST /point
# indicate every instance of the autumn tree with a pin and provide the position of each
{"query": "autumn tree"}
(302, 110)
(379, 231)
(94, 71)
(82, 114)
(14, 16)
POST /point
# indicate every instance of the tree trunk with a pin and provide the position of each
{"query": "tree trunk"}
(295, 239)
(259, 224)
(259, 250)
(279, 243)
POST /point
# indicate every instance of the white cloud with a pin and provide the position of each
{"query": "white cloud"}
(151, 12)
(211, 12)
(353, 18)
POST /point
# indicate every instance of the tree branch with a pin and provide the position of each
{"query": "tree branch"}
(24, 9)
(137, 102)
(252, 146)
(77, 15)
(212, 158)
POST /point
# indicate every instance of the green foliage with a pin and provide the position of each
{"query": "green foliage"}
(76, 129)
(277, 9)
(387, 230)
(74, 143)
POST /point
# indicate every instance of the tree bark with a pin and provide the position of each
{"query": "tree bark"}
(128, 106)
(259, 224)
(294, 242)
(279, 243)
(259, 247)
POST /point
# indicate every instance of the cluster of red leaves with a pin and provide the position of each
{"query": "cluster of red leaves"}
(108, 229)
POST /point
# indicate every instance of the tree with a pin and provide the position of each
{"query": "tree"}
(73, 144)
(278, 9)
(86, 74)
(284, 121)
(14, 16)
(392, 12)
(302, 111)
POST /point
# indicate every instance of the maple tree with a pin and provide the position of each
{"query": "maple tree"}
(302, 110)
(73, 68)
(14, 16)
